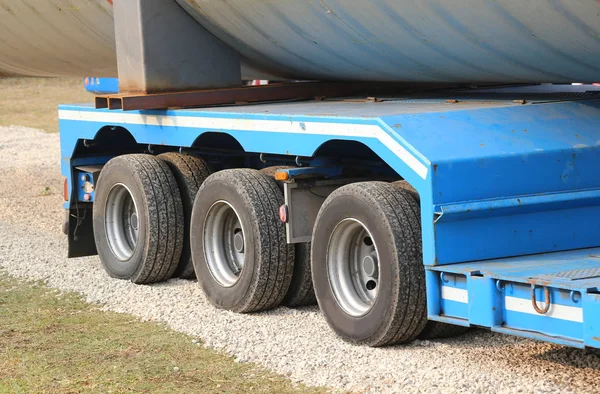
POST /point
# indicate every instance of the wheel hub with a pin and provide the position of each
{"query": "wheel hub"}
(224, 243)
(353, 267)
(121, 220)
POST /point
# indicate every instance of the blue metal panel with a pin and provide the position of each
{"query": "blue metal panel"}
(512, 154)
(455, 309)
(101, 85)
(526, 233)
(591, 318)
(485, 302)
(434, 296)
(449, 305)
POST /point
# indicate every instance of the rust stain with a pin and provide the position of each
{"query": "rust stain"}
(539, 282)
(435, 166)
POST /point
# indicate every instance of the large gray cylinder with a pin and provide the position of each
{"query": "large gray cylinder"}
(57, 37)
(471, 41)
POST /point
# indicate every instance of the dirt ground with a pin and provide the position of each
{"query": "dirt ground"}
(33, 102)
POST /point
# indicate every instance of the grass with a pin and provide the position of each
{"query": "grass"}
(56, 343)
(33, 102)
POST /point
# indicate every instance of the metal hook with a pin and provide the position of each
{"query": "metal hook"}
(573, 295)
(499, 285)
(150, 149)
(541, 311)
(298, 161)
(443, 278)
(262, 158)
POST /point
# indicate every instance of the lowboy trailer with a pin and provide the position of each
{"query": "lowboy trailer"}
(403, 217)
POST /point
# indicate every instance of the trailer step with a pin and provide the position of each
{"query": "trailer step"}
(552, 296)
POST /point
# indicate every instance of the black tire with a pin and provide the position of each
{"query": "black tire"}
(190, 172)
(268, 259)
(433, 329)
(301, 291)
(404, 185)
(398, 313)
(154, 191)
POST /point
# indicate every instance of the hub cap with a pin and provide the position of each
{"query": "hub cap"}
(224, 244)
(121, 221)
(353, 267)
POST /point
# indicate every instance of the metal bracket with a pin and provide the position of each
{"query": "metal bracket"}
(303, 199)
(161, 49)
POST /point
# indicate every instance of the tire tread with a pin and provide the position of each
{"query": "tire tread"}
(190, 172)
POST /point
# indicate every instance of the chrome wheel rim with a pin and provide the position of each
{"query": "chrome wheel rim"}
(122, 222)
(353, 267)
(224, 243)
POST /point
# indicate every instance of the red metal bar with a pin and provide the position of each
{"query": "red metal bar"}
(243, 94)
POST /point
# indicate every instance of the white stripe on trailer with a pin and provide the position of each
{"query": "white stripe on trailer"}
(240, 124)
(455, 294)
(562, 312)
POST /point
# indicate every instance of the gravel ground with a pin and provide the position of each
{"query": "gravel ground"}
(296, 343)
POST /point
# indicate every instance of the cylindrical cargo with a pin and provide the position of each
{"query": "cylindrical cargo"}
(57, 37)
(470, 41)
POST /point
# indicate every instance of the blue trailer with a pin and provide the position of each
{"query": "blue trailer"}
(408, 216)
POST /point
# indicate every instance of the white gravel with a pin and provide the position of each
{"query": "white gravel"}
(296, 343)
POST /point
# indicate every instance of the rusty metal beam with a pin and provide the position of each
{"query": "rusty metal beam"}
(245, 94)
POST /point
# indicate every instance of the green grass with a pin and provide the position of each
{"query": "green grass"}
(53, 343)
(33, 102)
